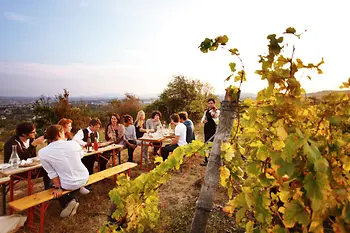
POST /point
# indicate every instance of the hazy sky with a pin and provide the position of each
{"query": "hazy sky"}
(117, 46)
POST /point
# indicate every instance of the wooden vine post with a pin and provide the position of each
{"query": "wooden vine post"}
(204, 203)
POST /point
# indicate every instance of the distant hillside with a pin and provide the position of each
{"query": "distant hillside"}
(319, 94)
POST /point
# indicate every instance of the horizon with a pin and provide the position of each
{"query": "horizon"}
(93, 49)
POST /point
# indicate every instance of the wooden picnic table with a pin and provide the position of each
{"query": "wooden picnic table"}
(25, 173)
(149, 141)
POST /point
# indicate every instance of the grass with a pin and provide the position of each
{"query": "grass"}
(177, 203)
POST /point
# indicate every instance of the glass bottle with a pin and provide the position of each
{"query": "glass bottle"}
(95, 144)
(14, 159)
(88, 144)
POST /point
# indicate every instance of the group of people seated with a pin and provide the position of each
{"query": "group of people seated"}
(63, 160)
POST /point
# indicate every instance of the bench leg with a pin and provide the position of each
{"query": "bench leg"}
(129, 172)
(43, 209)
(30, 218)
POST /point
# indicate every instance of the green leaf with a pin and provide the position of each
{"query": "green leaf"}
(254, 168)
(158, 159)
(224, 176)
(335, 120)
(262, 153)
(346, 163)
(222, 39)
(232, 67)
(278, 229)
(313, 153)
(295, 213)
(315, 186)
(234, 51)
(285, 168)
(321, 165)
(249, 227)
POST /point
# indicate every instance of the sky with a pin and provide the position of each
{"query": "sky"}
(94, 47)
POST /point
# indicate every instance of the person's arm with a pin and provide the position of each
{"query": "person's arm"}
(204, 118)
(148, 124)
(57, 192)
(7, 151)
(189, 133)
(134, 133)
(216, 116)
(22, 154)
(98, 137)
(177, 136)
(120, 133)
(143, 128)
(78, 137)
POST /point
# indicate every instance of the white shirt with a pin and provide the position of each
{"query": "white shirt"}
(180, 130)
(78, 137)
(63, 159)
(215, 115)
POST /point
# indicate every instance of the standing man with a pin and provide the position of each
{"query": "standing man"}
(180, 136)
(82, 136)
(210, 120)
(26, 146)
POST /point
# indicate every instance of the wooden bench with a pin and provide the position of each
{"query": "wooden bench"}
(31, 202)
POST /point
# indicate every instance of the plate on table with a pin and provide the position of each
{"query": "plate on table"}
(28, 163)
(4, 166)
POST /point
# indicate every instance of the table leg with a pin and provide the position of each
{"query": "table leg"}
(11, 192)
(98, 162)
(114, 160)
(3, 191)
(119, 151)
(160, 149)
(141, 155)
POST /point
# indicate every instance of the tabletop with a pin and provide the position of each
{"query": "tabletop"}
(13, 171)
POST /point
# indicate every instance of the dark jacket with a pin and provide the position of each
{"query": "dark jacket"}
(23, 152)
(189, 132)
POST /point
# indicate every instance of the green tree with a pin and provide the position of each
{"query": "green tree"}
(130, 104)
(183, 94)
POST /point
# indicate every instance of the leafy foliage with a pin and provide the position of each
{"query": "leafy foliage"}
(182, 94)
(296, 152)
(136, 201)
(287, 165)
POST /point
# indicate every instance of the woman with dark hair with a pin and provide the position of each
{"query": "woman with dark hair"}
(130, 136)
(61, 160)
(152, 125)
(67, 126)
(115, 130)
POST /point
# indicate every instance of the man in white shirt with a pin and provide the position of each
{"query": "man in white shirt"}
(61, 159)
(82, 137)
(180, 136)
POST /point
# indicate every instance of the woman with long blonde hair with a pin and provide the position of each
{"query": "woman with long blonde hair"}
(140, 127)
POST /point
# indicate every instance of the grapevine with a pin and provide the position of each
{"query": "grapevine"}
(287, 165)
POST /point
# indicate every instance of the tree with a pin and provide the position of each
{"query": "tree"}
(183, 94)
(44, 113)
(130, 104)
